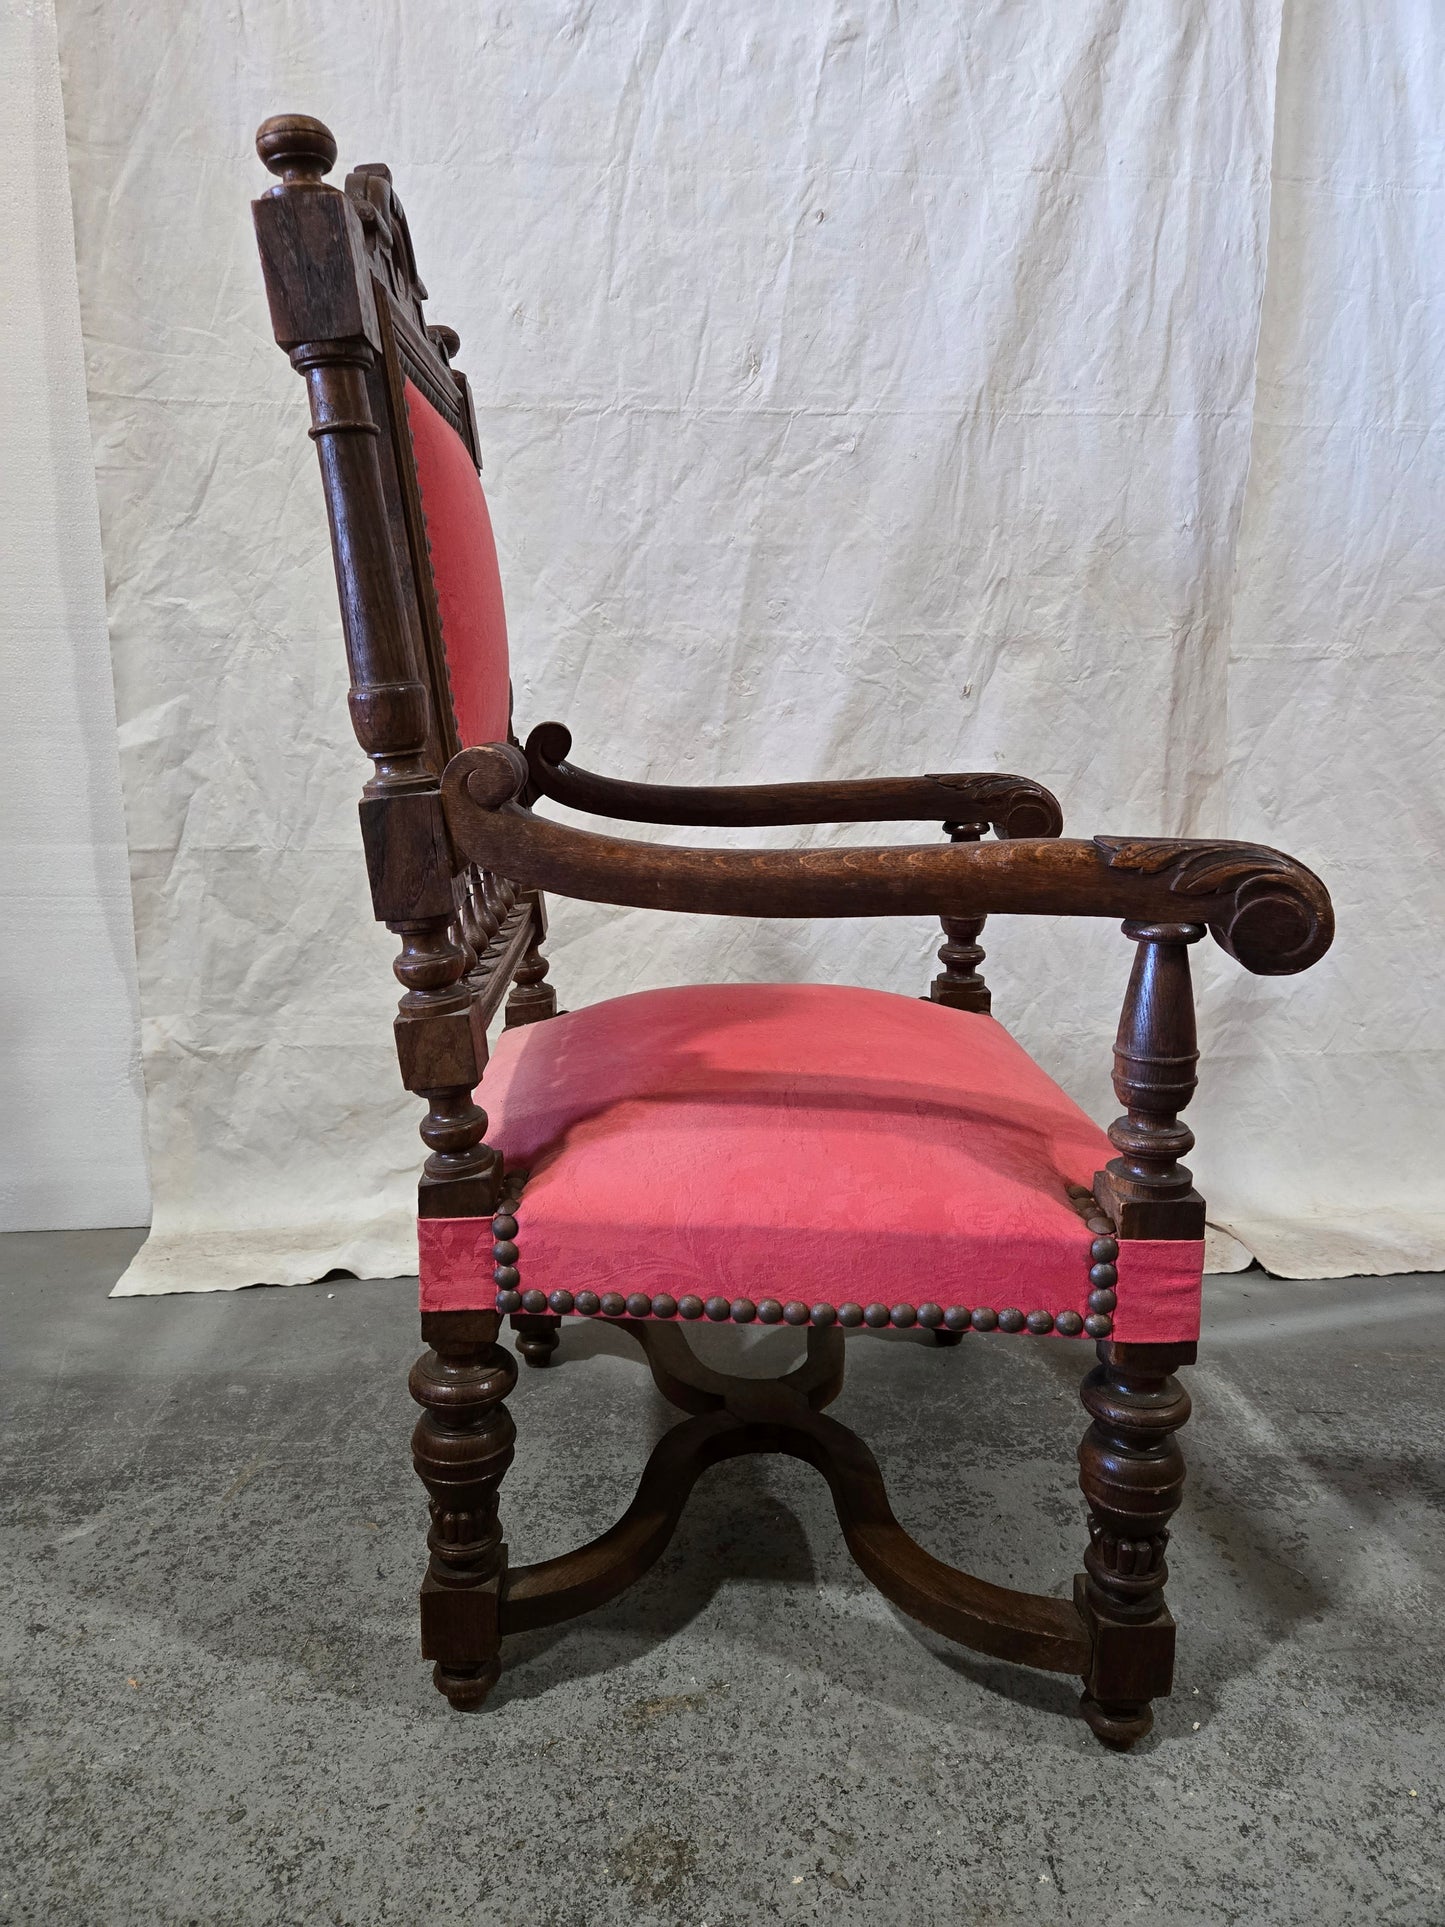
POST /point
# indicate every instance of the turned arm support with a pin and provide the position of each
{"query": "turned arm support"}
(1268, 911)
(1011, 805)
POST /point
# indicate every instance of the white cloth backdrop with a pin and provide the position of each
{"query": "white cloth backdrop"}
(864, 390)
(72, 1148)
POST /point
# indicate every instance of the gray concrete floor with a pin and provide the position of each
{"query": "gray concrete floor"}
(213, 1710)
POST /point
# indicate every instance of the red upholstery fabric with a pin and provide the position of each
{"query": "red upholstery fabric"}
(464, 568)
(798, 1142)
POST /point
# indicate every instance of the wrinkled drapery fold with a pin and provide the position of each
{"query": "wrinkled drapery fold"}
(863, 392)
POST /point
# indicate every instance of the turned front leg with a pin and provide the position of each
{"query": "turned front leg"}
(1131, 1471)
(462, 1446)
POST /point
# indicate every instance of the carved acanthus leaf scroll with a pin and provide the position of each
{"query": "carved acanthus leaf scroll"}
(1266, 910)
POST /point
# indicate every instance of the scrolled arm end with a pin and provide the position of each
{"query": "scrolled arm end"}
(548, 745)
(1011, 806)
(1270, 913)
(490, 775)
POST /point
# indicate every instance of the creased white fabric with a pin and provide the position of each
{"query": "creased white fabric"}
(863, 390)
(72, 1139)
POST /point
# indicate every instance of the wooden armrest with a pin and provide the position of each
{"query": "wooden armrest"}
(1011, 805)
(1265, 909)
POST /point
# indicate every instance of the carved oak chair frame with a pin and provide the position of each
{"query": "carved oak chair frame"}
(457, 861)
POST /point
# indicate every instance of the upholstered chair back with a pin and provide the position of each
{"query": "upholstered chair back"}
(465, 581)
(430, 465)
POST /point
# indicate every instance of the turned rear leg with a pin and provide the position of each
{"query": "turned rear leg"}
(461, 1448)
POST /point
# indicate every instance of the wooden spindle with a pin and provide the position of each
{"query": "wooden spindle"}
(1145, 1189)
(959, 984)
(532, 998)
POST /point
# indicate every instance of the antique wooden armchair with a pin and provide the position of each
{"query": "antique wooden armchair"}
(812, 1155)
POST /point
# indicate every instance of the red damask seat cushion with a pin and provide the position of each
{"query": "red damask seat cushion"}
(801, 1145)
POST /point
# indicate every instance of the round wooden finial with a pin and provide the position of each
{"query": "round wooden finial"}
(295, 147)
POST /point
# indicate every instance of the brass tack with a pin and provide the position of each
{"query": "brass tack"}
(1010, 1319)
(588, 1303)
(930, 1316)
(614, 1305)
(504, 1252)
(1040, 1323)
(984, 1319)
(958, 1318)
(824, 1314)
(506, 1277)
(639, 1304)
(1098, 1325)
(718, 1309)
(509, 1301)
(1102, 1300)
(1100, 1226)
(770, 1312)
(560, 1301)
(690, 1306)
(664, 1305)
(504, 1225)
(1068, 1324)
(876, 1316)
(850, 1315)
(534, 1301)
(1103, 1277)
(744, 1311)
(903, 1316)
(1104, 1251)
(795, 1312)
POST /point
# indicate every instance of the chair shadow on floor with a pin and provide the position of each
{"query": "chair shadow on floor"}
(751, 1535)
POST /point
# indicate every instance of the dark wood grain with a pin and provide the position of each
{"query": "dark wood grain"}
(1131, 1471)
(735, 1416)
(1039, 876)
(347, 305)
(959, 984)
(538, 1336)
(462, 1446)
(458, 862)
(1145, 1190)
(1011, 805)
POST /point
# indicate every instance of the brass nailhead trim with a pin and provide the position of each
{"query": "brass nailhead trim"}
(1103, 1277)
(506, 1275)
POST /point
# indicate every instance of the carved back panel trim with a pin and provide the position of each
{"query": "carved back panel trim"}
(411, 351)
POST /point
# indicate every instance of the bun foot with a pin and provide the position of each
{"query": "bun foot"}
(466, 1687)
(1119, 1722)
(537, 1338)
